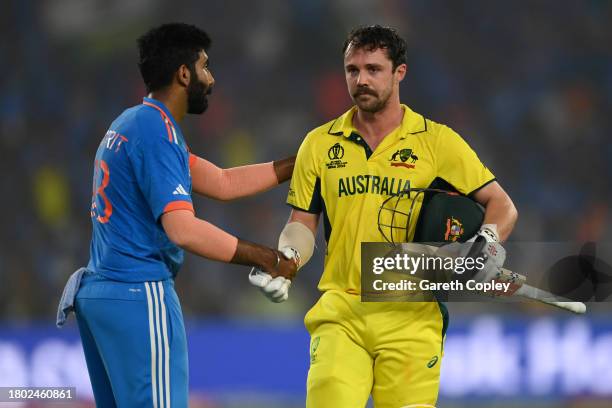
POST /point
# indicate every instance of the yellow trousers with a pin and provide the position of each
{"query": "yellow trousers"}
(392, 350)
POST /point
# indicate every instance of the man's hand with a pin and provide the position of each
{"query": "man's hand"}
(276, 287)
(486, 246)
(286, 265)
(494, 257)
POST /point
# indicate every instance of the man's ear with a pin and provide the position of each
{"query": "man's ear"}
(400, 72)
(183, 75)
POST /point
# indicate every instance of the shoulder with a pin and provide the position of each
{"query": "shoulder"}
(146, 124)
(438, 130)
(150, 120)
(445, 140)
(324, 129)
(146, 131)
(321, 136)
(429, 129)
(415, 123)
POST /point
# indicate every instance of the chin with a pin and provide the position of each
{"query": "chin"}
(369, 107)
(199, 109)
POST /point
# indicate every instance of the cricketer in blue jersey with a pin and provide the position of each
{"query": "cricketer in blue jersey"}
(127, 310)
(141, 172)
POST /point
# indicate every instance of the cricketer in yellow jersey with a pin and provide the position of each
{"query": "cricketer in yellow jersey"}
(345, 169)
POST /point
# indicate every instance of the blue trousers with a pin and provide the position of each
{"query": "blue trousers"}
(134, 341)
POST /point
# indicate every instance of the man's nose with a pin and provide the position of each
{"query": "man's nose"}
(362, 79)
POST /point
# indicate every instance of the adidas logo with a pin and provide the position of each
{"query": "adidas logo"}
(180, 190)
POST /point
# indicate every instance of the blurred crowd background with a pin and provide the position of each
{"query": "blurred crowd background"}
(528, 84)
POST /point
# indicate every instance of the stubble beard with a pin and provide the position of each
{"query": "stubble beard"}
(197, 95)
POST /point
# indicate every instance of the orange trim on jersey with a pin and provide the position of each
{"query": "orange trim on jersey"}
(165, 117)
(178, 205)
(192, 159)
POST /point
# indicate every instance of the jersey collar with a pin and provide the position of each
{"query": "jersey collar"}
(411, 123)
(163, 107)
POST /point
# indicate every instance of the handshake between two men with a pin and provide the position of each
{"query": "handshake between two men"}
(295, 243)
(275, 288)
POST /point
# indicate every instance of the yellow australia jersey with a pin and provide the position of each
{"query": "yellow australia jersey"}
(336, 174)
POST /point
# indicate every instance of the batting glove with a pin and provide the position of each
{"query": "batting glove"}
(275, 289)
(486, 245)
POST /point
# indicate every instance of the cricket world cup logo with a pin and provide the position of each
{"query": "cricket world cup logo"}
(336, 152)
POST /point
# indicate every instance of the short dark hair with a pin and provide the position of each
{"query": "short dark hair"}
(376, 36)
(165, 48)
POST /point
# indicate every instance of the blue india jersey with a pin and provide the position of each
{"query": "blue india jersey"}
(141, 171)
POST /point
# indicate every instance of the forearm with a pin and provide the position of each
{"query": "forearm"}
(250, 254)
(213, 243)
(201, 238)
(205, 239)
(236, 182)
(499, 209)
(255, 178)
(501, 212)
(248, 180)
(299, 235)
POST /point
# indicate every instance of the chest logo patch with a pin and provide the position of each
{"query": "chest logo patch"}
(404, 158)
(335, 155)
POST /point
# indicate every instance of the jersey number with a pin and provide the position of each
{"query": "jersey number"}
(98, 190)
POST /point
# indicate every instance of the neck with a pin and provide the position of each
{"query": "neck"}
(176, 104)
(374, 126)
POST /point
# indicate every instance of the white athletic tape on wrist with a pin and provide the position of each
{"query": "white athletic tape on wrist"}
(296, 236)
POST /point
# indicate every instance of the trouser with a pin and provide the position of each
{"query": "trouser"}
(389, 350)
(134, 342)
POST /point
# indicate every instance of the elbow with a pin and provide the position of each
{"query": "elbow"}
(514, 214)
(216, 193)
(223, 187)
(512, 211)
(224, 197)
(180, 238)
(512, 217)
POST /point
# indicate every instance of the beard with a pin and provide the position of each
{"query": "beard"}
(374, 103)
(197, 96)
